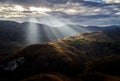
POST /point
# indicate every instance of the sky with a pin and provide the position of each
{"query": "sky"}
(81, 12)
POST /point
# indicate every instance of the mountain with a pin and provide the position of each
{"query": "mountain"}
(14, 35)
(85, 56)
(14, 31)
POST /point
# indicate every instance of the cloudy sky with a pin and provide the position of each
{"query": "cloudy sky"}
(83, 12)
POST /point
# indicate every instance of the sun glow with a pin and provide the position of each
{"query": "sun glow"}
(40, 9)
(18, 8)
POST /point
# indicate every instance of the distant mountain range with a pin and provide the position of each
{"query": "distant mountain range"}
(13, 34)
(14, 31)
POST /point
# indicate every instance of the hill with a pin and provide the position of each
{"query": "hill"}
(84, 57)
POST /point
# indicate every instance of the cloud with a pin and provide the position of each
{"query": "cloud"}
(82, 12)
(18, 11)
(49, 2)
(27, 2)
(35, 2)
(118, 13)
(112, 1)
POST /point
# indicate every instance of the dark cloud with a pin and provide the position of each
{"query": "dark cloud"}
(26, 2)
(34, 1)
(53, 2)
(46, 2)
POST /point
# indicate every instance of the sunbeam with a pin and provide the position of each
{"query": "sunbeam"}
(51, 31)
(32, 32)
(52, 28)
(59, 27)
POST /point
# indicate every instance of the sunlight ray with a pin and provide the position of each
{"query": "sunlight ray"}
(32, 32)
(50, 30)
(60, 26)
